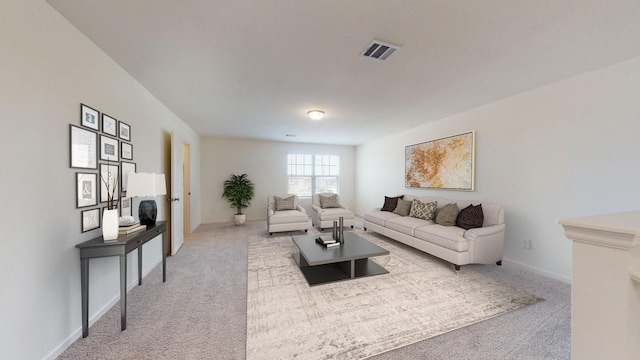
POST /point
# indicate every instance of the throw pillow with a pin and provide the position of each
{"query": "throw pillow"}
(470, 217)
(422, 210)
(447, 215)
(330, 201)
(403, 208)
(390, 203)
(284, 203)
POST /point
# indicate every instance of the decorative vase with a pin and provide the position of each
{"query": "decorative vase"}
(110, 224)
(239, 219)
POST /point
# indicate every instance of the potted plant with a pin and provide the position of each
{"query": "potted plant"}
(238, 189)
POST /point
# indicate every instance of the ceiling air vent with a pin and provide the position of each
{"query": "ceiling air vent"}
(378, 50)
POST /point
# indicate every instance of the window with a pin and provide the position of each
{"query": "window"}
(311, 174)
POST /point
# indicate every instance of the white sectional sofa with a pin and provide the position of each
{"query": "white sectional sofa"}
(482, 245)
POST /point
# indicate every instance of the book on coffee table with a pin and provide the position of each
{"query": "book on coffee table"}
(324, 240)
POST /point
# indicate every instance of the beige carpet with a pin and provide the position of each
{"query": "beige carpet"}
(421, 297)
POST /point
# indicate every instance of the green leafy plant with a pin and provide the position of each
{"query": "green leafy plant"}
(238, 189)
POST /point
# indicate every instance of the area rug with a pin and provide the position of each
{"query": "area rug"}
(419, 298)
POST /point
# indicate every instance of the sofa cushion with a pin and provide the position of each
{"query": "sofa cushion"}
(403, 208)
(335, 214)
(284, 203)
(450, 237)
(379, 217)
(470, 217)
(447, 215)
(405, 224)
(288, 217)
(424, 211)
(330, 201)
(390, 203)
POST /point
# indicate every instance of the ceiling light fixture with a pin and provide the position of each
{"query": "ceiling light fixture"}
(316, 114)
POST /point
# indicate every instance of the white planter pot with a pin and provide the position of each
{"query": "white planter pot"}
(110, 224)
(239, 219)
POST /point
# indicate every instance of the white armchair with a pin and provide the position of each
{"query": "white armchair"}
(285, 214)
(327, 209)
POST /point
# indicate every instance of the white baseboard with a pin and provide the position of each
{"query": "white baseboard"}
(537, 270)
(95, 317)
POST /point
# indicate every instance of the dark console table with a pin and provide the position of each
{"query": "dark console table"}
(125, 244)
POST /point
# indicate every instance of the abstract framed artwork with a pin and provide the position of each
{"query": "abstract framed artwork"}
(109, 125)
(126, 151)
(124, 131)
(447, 163)
(89, 117)
(86, 189)
(83, 144)
(90, 219)
(108, 148)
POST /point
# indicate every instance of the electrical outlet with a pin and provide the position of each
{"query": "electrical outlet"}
(526, 244)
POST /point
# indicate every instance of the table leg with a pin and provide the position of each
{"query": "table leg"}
(140, 265)
(353, 269)
(84, 291)
(164, 258)
(123, 292)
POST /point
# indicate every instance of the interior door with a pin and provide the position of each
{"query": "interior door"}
(177, 219)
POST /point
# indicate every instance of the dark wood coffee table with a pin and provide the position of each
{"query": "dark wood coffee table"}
(321, 265)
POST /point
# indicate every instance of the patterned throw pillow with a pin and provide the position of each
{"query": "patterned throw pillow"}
(424, 211)
(470, 217)
(403, 208)
(390, 203)
(447, 215)
(284, 203)
(330, 201)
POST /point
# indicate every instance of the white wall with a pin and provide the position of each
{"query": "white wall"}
(266, 164)
(565, 150)
(47, 68)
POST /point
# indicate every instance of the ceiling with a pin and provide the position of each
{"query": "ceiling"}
(252, 69)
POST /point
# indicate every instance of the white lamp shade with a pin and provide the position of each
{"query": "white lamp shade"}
(146, 185)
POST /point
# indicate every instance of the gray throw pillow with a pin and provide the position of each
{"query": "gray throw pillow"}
(403, 208)
(447, 215)
(284, 203)
(330, 201)
(420, 210)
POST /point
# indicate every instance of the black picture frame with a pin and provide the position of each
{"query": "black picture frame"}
(109, 125)
(126, 151)
(124, 131)
(90, 219)
(89, 117)
(126, 206)
(86, 189)
(125, 168)
(109, 174)
(83, 146)
(109, 148)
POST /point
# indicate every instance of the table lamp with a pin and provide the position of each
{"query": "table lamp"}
(146, 185)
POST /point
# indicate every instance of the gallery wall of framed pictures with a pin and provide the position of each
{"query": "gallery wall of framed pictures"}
(102, 151)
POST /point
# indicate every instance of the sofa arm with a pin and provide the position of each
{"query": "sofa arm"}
(316, 208)
(481, 232)
(301, 209)
(486, 244)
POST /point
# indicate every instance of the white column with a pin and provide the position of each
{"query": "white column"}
(605, 286)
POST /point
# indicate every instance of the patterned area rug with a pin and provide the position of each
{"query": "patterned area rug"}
(421, 297)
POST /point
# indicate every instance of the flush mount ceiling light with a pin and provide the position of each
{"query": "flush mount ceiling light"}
(316, 114)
